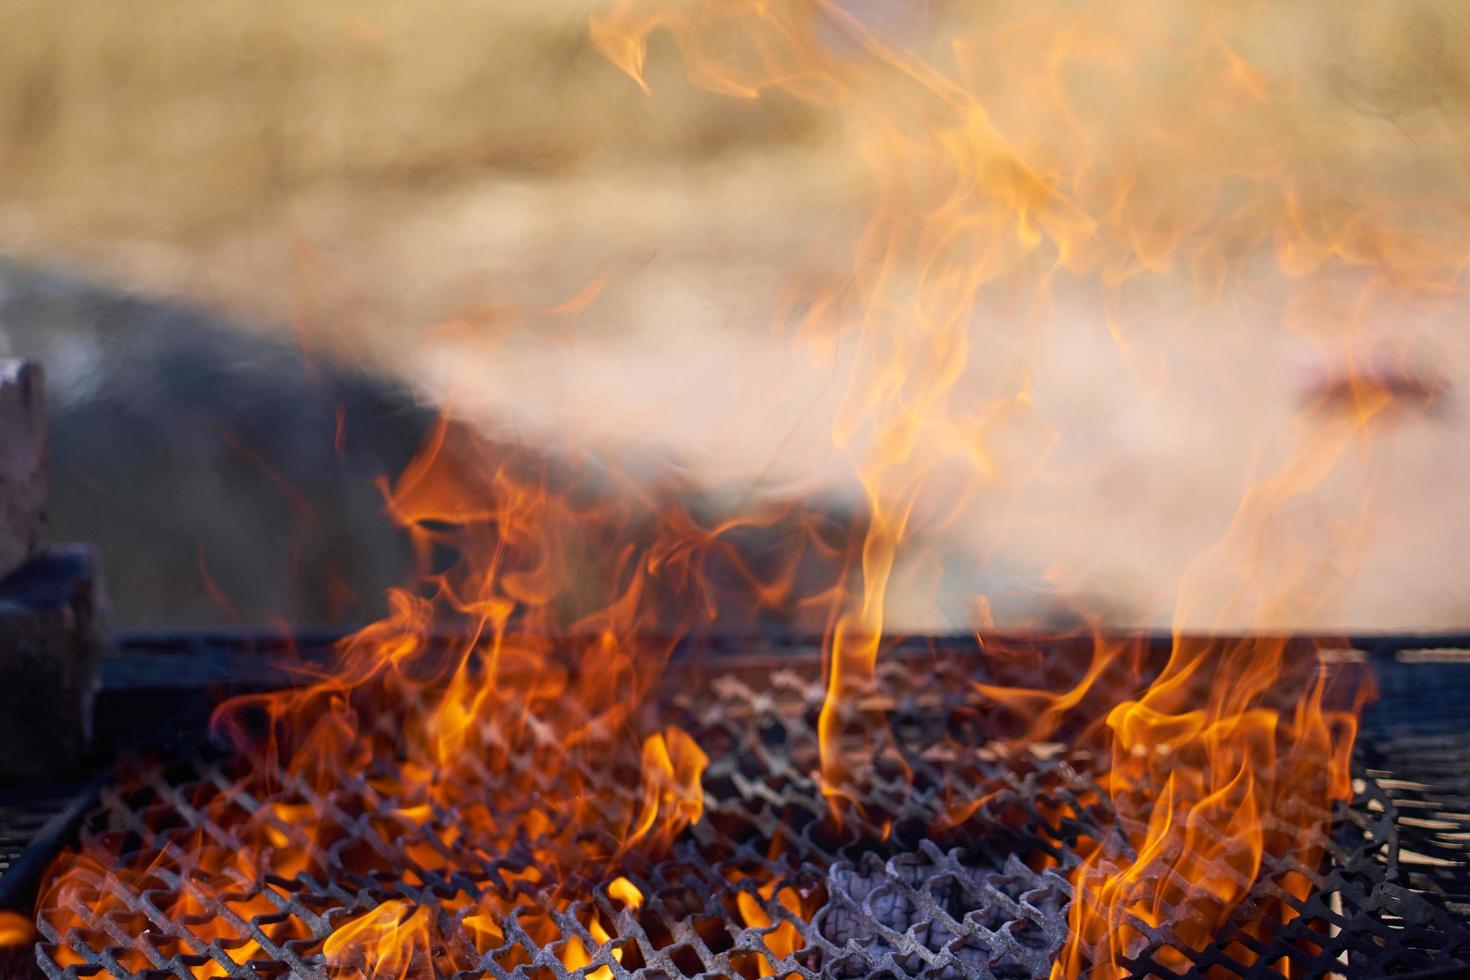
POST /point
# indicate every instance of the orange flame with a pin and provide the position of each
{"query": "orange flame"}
(382, 943)
(16, 930)
(672, 765)
(512, 688)
(1000, 179)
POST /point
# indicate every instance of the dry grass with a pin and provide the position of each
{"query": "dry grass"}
(183, 145)
(190, 148)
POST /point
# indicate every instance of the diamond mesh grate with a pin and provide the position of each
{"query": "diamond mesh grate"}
(765, 884)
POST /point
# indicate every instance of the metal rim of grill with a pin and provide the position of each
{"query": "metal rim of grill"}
(1390, 896)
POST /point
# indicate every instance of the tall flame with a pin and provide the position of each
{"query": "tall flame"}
(1138, 157)
(511, 688)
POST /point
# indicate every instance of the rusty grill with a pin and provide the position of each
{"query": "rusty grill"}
(765, 883)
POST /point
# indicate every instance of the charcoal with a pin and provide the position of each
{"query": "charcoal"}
(53, 615)
(933, 914)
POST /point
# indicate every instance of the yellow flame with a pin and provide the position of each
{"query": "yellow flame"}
(626, 892)
(382, 942)
(999, 176)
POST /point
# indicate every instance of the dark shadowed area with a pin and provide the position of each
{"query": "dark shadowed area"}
(223, 476)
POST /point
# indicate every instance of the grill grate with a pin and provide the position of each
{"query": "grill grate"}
(765, 884)
(24, 812)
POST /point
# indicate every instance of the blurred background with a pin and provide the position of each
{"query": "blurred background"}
(259, 246)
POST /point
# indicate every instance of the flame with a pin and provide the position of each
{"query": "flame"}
(16, 930)
(1230, 754)
(672, 764)
(626, 892)
(510, 690)
(511, 687)
(781, 938)
(1000, 180)
(381, 943)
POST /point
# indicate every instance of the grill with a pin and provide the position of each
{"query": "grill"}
(765, 883)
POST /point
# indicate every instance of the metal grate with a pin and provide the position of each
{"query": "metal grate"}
(764, 884)
(36, 820)
(23, 813)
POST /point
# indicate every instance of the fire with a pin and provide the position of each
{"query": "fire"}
(503, 714)
(382, 943)
(1002, 183)
(626, 892)
(500, 715)
(16, 930)
(672, 764)
(781, 938)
